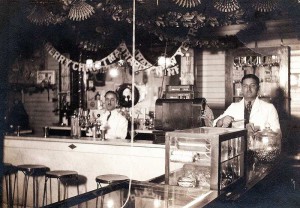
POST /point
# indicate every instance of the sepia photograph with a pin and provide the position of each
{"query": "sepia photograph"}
(150, 103)
(45, 77)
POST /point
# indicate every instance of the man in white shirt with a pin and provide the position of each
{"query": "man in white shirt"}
(256, 113)
(114, 124)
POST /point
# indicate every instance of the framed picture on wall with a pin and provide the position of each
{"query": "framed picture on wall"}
(47, 76)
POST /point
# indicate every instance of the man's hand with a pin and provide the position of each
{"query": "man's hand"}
(225, 121)
(252, 130)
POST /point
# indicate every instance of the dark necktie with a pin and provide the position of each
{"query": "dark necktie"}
(247, 112)
(108, 115)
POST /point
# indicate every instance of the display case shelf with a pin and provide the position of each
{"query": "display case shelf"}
(206, 158)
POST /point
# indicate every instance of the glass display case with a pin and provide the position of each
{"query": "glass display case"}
(206, 158)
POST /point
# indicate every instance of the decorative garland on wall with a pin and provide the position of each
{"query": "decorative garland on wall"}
(141, 64)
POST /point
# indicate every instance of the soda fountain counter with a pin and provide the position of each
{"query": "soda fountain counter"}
(203, 165)
(192, 169)
(88, 157)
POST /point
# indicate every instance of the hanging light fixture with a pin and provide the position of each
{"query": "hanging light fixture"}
(114, 72)
(164, 61)
(97, 64)
(90, 65)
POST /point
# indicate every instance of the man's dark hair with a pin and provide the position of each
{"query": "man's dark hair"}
(252, 76)
(112, 92)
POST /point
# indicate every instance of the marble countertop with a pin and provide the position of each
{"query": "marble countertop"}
(88, 140)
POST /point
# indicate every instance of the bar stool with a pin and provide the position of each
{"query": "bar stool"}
(109, 179)
(8, 171)
(59, 175)
(33, 171)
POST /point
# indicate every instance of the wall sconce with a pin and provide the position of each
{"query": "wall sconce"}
(164, 61)
(91, 65)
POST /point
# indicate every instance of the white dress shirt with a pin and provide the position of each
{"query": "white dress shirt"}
(262, 114)
(116, 126)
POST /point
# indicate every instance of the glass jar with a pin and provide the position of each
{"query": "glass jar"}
(267, 145)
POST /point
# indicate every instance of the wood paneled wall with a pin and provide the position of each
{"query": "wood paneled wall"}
(210, 78)
(39, 108)
(295, 82)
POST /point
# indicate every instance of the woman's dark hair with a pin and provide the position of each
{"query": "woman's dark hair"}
(97, 94)
(252, 76)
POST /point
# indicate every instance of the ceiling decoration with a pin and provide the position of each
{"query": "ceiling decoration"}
(226, 5)
(80, 10)
(38, 14)
(94, 25)
(265, 5)
(188, 3)
(43, 12)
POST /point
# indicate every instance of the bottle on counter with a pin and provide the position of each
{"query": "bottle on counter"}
(64, 111)
(75, 127)
(97, 126)
(65, 119)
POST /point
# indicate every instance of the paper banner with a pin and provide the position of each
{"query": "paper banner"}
(121, 51)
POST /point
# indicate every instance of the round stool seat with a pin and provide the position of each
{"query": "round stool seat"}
(8, 169)
(60, 173)
(30, 169)
(35, 171)
(111, 178)
(63, 177)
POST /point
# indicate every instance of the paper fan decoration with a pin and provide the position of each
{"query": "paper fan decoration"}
(41, 16)
(265, 5)
(80, 10)
(187, 3)
(226, 5)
